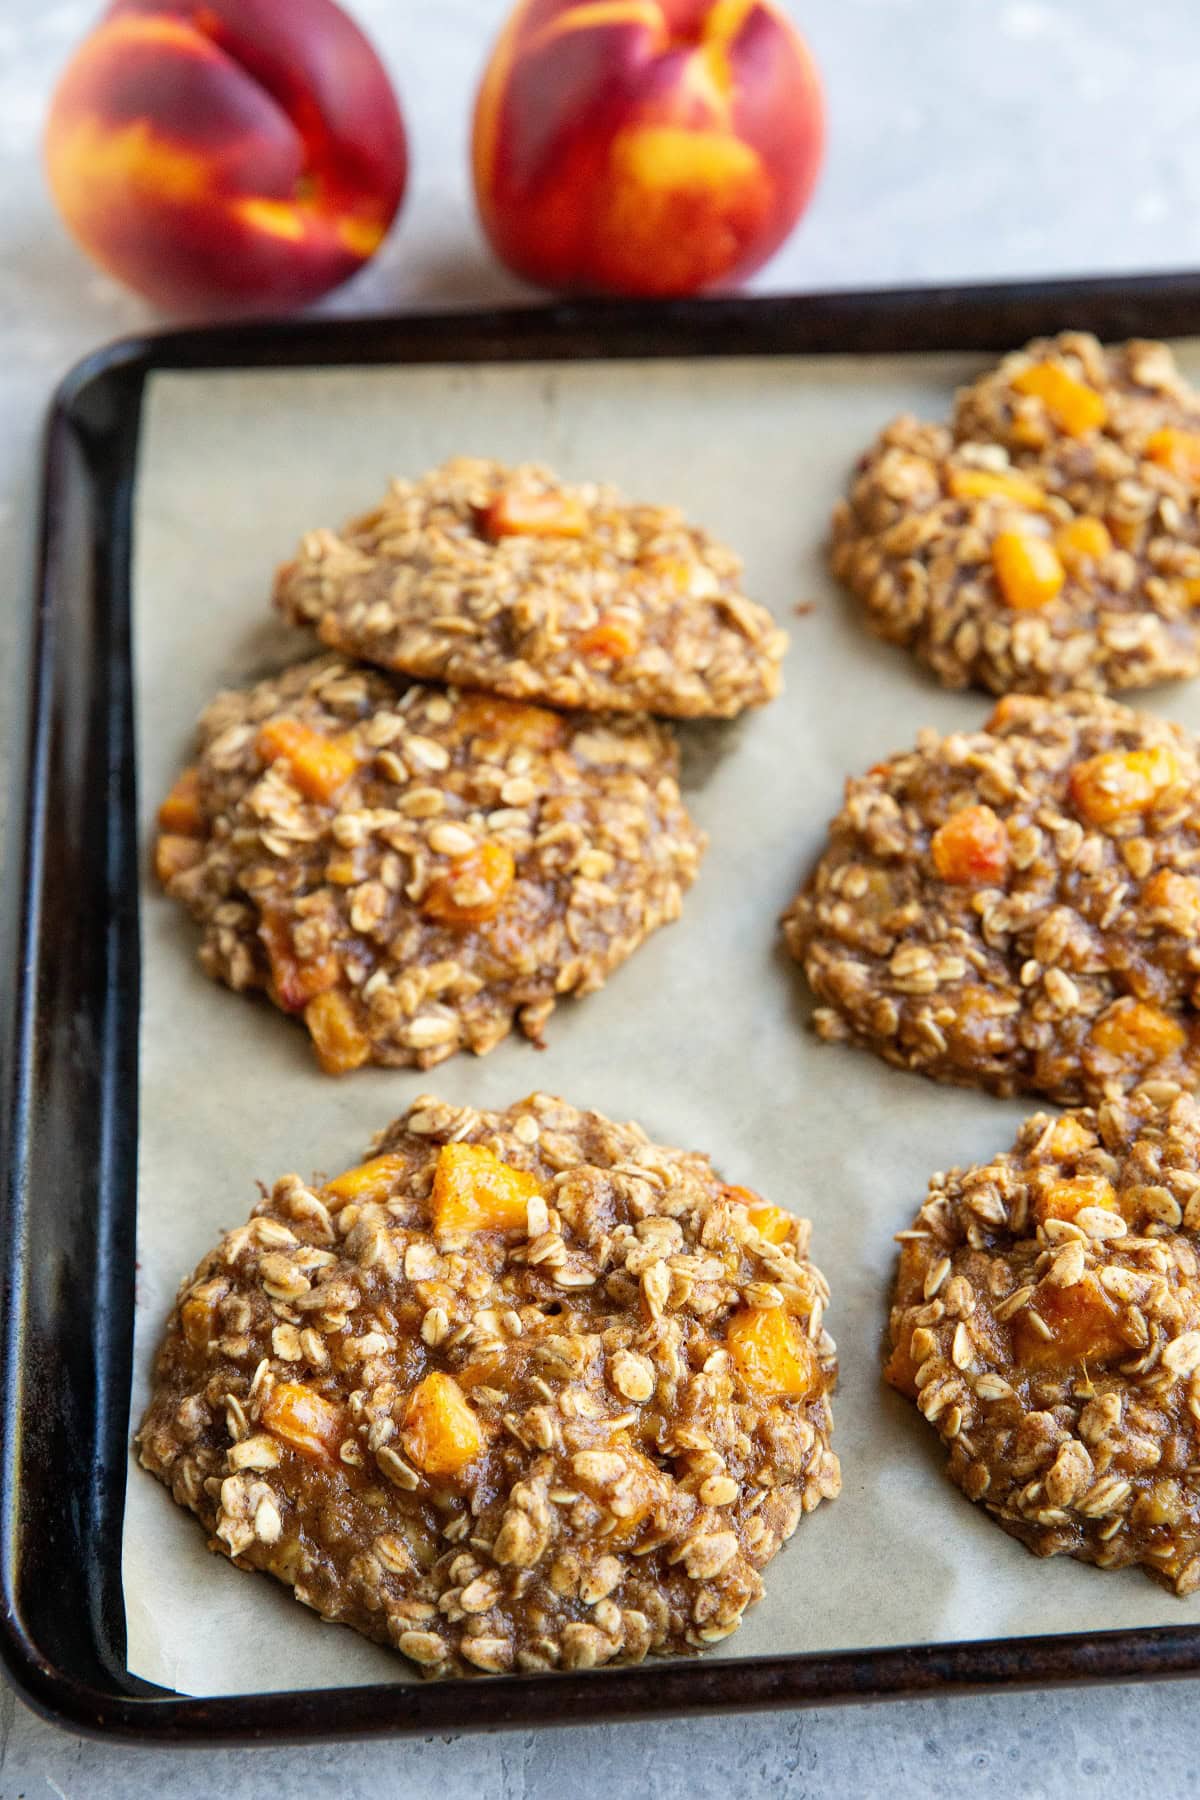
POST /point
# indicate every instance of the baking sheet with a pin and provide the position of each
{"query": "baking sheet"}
(701, 1037)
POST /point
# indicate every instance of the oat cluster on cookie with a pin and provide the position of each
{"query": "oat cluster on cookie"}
(523, 1391)
(1048, 536)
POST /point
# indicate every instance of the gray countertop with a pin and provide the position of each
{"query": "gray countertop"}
(980, 139)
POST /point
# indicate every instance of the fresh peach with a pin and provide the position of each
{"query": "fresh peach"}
(236, 155)
(645, 146)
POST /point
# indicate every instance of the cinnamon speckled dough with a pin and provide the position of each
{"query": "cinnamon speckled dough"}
(540, 1436)
(1046, 1321)
(1096, 453)
(1017, 908)
(509, 580)
(410, 869)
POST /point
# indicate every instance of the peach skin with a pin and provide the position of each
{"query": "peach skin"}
(645, 146)
(237, 156)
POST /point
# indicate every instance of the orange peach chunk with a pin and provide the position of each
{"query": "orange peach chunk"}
(772, 1223)
(509, 721)
(474, 1190)
(1074, 407)
(337, 1039)
(1068, 1137)
(293, 981)
(771, 1353)
(1064, 1199)
(1175, 895)
(1082, 541)
(996, 484)
(174, 854)
(1027, 568)
(181, 812)
(318, 765)
(368, 1181)
(472, 890)
(972, 846)
(441, 1433)
(1118, 784)
(1138, 1032)
(305, 1420)
(516, 514)
(1082, 1323)
(1178, 451)
(609, 640)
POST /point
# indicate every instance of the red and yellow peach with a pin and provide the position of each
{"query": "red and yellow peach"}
(645, 146)
(235, 155)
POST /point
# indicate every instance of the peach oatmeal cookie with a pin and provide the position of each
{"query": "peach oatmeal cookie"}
(1048, 537)
(523, 1391)
(1016, 908)
(509, 580)
(410, 870)
(1046, 1321)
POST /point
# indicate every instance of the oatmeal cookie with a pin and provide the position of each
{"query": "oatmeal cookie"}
(1017, 908)
(1048, 537)
(509, 580)
(523, 1391)
(1046, 1321)
(411, 869)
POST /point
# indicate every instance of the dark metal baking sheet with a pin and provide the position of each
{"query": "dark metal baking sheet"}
(68, 1037)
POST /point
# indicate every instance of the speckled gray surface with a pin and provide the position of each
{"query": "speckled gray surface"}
(984, 138)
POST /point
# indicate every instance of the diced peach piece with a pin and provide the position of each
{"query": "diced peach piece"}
(514, 513)
(333, 1027)
(1068, 1137)
(294, 982)
(1178, 451)
(1064, 1199)
(1074, 407)
(173, 854)
(1178, 895)
(899, 1371)
(1081, 541)
(609, 640)
(972, 846)
(996, 484)
(372, 1180)
(770, 1352)
(441, 1433)
(511, 721)
(632, 1494)
(319, 765)
(198, 1315)
(305, 1420)
(181, 812)
(1138, 1032)
(1008, 710)
(474, 1190)
(472, 890)
(1083, 1328)
(1117, 784)
(772, 1223)
(1027, 569)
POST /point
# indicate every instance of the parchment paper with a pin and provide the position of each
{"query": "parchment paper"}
(701, 1037)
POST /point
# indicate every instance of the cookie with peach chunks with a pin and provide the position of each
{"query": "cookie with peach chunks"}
(412, 870)
(1046, 1323)
(1016, 908)
(1048, 537)
(512, 581)
(523, 1391)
